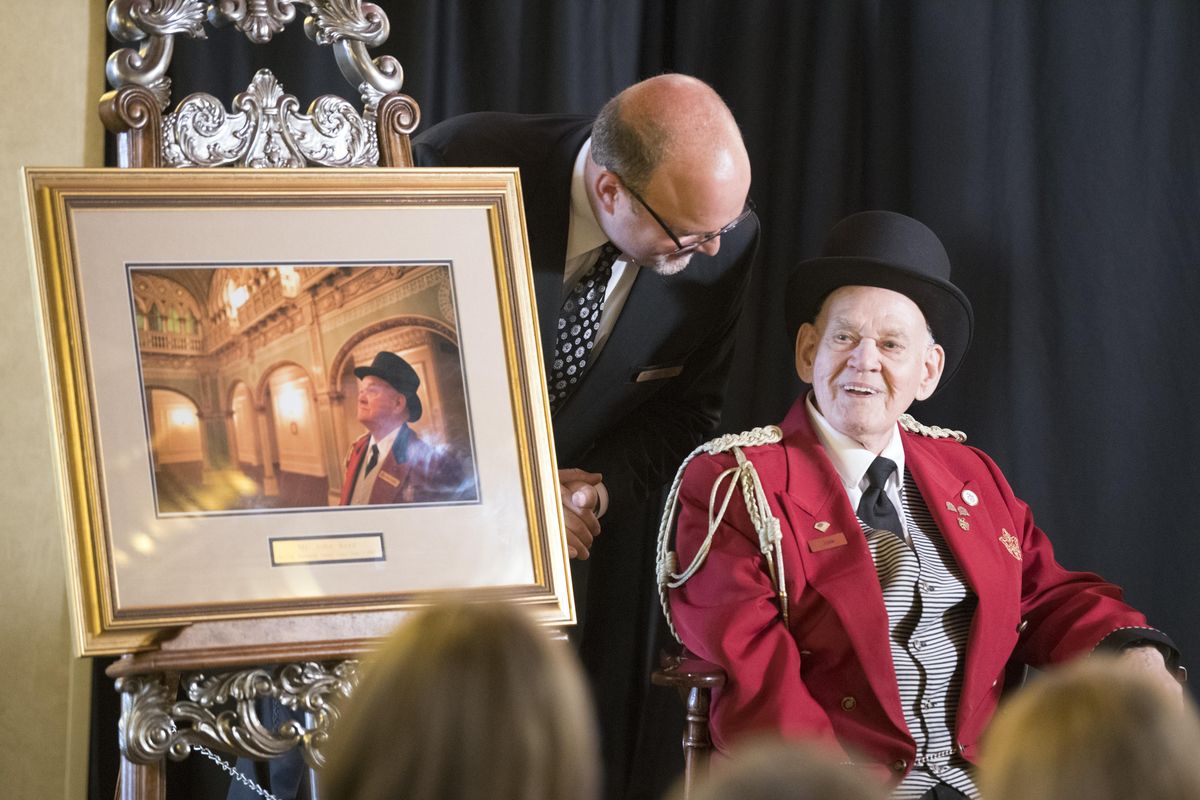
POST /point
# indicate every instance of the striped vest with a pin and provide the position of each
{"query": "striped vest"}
(929, 609)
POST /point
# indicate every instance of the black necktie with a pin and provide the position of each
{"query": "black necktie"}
(875, 509)
(577, 324)
(372, 461)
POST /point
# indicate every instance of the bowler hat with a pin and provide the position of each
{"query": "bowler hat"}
(400, 374)
(891, 251)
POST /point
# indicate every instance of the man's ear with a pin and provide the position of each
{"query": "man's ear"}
(935, 362)
(607, 189)
(806, 351)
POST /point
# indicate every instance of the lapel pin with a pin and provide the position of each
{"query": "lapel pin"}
(822, 526)
(970, 498)
(962, 523)
(962, 511)
(950, 506)
(1010, 543)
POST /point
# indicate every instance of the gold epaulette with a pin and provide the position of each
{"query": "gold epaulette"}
(768, 434)
(932, 431)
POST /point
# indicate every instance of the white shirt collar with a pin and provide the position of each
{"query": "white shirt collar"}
(583, 232)
(851, 459)
(385, 444)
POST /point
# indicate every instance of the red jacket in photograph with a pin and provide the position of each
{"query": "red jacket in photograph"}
(412, 472)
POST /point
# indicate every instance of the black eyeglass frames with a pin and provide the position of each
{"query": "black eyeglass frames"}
(701, 238)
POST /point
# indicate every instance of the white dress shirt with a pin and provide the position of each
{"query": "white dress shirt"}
(851, 460)
(584, 240)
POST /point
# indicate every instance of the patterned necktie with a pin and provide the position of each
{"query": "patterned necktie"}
(372, 461)
(875, 509)
(577, 324)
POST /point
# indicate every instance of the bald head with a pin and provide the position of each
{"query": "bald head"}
(667, 168)
(663, 120)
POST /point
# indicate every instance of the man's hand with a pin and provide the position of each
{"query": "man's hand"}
(1148, 659)
(581, 497)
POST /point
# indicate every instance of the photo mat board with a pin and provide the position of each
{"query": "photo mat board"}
(207, 334)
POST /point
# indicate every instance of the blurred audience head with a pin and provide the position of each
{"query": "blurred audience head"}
(466, 701)
(776, 769)
(1093, 729)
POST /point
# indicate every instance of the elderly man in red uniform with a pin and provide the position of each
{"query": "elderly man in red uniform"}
(390, 464)
(871, 582)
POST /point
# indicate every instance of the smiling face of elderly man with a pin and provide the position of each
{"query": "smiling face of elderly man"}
(868, 356)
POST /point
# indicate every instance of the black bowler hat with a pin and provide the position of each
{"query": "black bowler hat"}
(891, 251)
(402, 377)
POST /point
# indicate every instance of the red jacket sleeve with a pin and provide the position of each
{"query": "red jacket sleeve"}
(1064, 613)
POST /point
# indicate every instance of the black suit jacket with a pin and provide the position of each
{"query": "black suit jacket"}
(635, 433)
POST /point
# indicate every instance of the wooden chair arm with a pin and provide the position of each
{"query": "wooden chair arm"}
(686, 671)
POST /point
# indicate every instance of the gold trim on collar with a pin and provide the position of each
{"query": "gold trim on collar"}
(908, 423)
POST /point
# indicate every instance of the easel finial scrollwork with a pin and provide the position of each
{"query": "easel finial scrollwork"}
(153, 724)
(260, 21)
(267, 131)
(397, 117)
(265, 127)
(153, 24)
(348, 26)
(133, 113)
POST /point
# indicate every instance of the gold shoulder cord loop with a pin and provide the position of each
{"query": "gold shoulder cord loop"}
(765, 523)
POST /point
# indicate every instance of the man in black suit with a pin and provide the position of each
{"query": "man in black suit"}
(664, 177)
(661, 176)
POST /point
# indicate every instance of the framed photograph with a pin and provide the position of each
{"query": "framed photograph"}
(311, 394)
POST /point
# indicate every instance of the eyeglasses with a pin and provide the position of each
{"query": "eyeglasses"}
(701, 238)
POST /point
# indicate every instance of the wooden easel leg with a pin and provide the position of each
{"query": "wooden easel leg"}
(141, 781)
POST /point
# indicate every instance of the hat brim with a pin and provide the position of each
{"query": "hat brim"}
(412, 402)
(946, 308)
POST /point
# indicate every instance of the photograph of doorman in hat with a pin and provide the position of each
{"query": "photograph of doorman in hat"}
(903, 574)
(390, 464)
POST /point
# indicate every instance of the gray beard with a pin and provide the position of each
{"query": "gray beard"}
(666, 266)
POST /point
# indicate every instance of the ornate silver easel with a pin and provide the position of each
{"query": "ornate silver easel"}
(220, 711)
(264, 128)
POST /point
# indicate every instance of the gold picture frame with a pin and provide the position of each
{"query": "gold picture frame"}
(175, 300)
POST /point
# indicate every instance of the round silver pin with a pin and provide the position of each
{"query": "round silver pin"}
(970, 498)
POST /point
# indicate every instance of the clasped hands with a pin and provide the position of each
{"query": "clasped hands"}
(584, 499)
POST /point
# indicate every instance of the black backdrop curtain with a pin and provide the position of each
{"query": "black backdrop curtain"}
(1054, 147)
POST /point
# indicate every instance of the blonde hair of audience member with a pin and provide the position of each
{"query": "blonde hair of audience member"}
(463, 702)
(1093, 729)
(770, 768)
